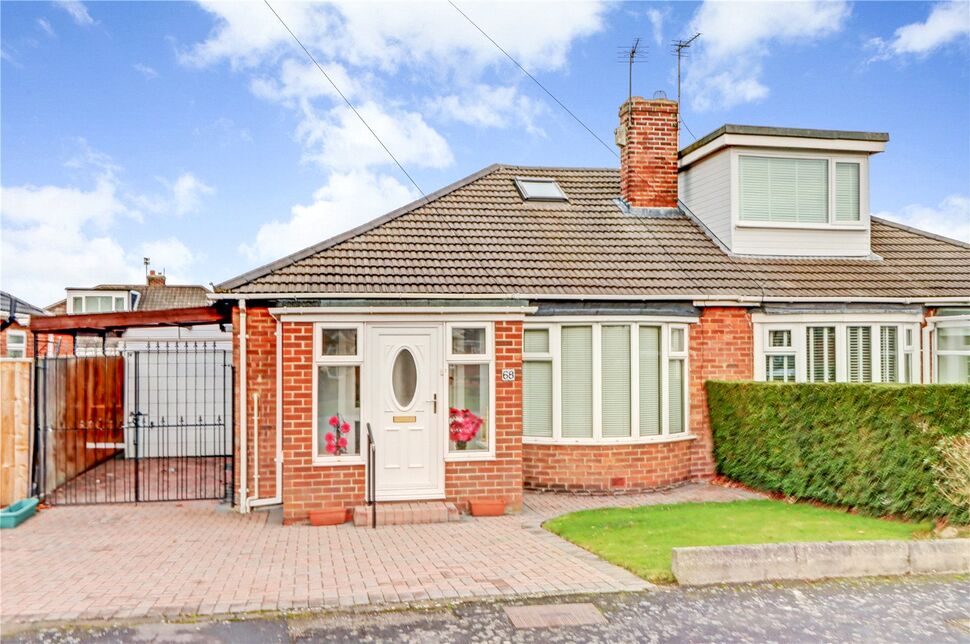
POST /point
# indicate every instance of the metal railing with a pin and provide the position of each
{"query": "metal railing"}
(371, 476)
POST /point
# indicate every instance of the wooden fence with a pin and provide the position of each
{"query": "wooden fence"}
(14, 430)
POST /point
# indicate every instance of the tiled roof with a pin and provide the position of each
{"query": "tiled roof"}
(479, 237)
(160, 298)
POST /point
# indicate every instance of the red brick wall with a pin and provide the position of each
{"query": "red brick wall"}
(502, 477)
(648, 160)
(606, 468)
(261, 376)
(721, 348)
(46, 342)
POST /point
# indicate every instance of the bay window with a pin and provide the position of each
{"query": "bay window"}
(338, 357)
(843, 348)
(470, 369)
(615, 381)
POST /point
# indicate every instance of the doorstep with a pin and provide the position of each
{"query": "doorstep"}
(407, 513)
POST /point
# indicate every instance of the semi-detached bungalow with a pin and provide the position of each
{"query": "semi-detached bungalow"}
(552, 328)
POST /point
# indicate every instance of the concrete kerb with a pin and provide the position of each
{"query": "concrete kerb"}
(821, 560)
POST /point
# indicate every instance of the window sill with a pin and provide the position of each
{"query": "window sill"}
(803, 226)
(459, 457)
(335, 461)
(606, 442)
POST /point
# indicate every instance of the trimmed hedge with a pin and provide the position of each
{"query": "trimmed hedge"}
(870, 447)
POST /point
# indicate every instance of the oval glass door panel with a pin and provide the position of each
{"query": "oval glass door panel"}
(404, 378)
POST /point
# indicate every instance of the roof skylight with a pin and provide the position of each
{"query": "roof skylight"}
(535, 189)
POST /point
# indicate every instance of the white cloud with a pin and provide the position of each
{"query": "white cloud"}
(170, 255)
(187, 193)
(737, 37)
(46, 27)
(950, 218)
(64, 235)
(346, 201)
(491, 106)
(657, 18)
(148, 72)
(339, 141)
(947, 23)
(299, 80)
(77, 10)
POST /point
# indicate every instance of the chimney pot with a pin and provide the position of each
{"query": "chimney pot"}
(647, 138)
(156, 279)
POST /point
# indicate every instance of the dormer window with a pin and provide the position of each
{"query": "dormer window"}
(533, 189)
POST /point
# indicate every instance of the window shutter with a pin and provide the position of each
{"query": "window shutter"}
(577, 382)
(821, 354)
(675, 383)
(649, 380)
(755, 188)
(888, 354)
(537, 399)
(616, 380)
(859, 351)
(846, 192)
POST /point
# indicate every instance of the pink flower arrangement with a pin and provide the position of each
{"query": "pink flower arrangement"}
(463, 426)
(336, 443)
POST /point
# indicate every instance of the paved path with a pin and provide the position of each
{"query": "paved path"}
(902, 610)
(155, 560)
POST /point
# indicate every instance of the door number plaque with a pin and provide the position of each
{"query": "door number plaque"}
(508, 375)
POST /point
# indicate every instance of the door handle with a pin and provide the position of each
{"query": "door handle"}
(434, 402)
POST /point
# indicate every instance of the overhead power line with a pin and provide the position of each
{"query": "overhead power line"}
(535, 80)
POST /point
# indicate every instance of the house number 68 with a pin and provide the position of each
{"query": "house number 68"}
(508, 375)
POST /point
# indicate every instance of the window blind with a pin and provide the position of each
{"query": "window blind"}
(780, 368)
(616, 380)
(577, 382)
(859, 353)
(537, 398)
(649, 380)
(675, 383)
(783, 190)
(888, 354)
(821, 353)
(535, 341)
(846, 192)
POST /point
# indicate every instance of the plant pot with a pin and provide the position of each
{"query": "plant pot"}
(334, 516)
(487, 507)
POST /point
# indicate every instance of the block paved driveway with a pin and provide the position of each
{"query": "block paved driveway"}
(165, 560)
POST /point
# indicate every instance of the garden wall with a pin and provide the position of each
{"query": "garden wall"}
(883, 449)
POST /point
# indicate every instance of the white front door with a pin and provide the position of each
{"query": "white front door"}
(405, 386)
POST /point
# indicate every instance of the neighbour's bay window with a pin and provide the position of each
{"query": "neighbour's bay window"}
(338, 355)
(603, 381)
(470, 369)
(845, 351)
(953, 351)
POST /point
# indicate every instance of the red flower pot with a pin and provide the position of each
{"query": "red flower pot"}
(487, 507)
(328, 517)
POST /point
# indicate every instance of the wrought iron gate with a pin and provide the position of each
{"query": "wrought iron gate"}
(145, 422)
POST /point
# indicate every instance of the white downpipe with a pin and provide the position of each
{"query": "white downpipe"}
(243, 389)
(255, 449)
(278, 498)
(927, 352)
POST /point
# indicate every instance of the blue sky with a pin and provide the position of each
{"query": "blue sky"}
(198, 135)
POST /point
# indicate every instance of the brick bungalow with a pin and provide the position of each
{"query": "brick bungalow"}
(552, 328)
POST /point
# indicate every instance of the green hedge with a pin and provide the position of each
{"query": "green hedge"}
(870, 447)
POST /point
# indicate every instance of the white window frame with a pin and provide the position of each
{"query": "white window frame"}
(936, 323)
(23, 344)
(555, 325)
(832, 159)
(487, 358)
(124, 295)
(770, 351)
(799, 323)
(319, 360)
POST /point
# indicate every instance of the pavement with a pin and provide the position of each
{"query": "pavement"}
(171, 560)
(871, 610)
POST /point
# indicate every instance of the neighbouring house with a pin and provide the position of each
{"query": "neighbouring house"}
(15, 339)
(552, 328)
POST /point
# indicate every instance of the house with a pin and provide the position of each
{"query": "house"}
(552, 328)
(15, 340)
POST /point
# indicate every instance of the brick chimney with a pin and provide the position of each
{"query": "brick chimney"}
(156, 279)
(647, 138)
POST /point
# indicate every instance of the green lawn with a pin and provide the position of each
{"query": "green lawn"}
(640, 539)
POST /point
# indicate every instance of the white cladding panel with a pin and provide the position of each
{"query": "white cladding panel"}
(801, 242)
(706, 189)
